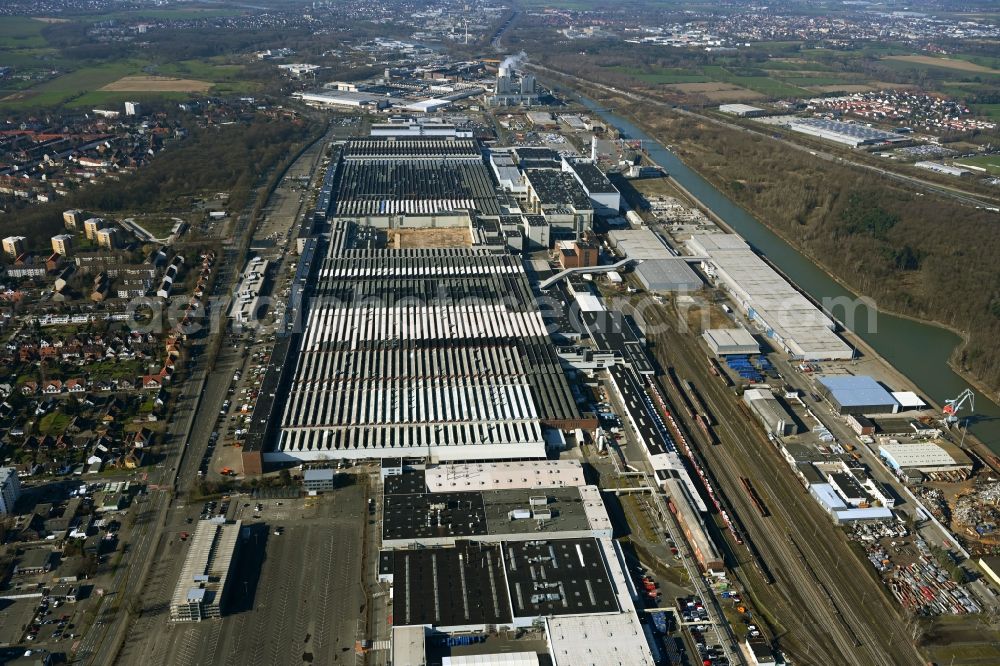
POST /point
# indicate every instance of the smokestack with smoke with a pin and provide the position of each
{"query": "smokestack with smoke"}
(511, 63)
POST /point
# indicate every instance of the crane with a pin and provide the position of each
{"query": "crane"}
(953, 406)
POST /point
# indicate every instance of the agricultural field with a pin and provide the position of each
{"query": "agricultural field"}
(156, 84)
(948, 63)
(988, 110)
(21, 32)
(716, 92)
(127, 79)
(178, 14)
(43, 77)
(663, 76)
(764, 85)
(719, 83)
(65, 88)
(989, 162)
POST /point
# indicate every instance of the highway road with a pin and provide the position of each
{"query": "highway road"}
(979, 201)
(498, 35)
(829, 605)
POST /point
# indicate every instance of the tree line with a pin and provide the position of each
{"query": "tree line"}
(219, 158)
(924, 256)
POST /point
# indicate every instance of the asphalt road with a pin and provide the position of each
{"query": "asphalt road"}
(829, 605)
(188, 431)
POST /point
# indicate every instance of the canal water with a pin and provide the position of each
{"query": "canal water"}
(920, 351)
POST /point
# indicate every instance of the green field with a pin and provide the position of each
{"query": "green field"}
(21, 32)
(64, 89)
(762, 84)
(171, 14)
(203, 70)
(989, 110)
(989, 162)
(981, 60)
(81, 87)
(943, 68)
(104, 98)
(814, 81)
(786, 66)
(663, 76)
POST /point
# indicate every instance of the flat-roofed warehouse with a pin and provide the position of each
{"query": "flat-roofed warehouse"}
(788, 318)
(770, 412)
(728, 341)
(611, 639)
(606, 198)
(505, 475)
(204, 579)
(639, 244)
(857, 394)
(558, 577)
(414, 516)
(664, 275)
(455, 588)
(742, 110)
(926, 457)
(851, 134)
(424, 352)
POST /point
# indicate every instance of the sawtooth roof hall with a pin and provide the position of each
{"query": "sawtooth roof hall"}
(423, 352)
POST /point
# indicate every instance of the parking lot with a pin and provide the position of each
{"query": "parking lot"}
(295, 594)
(255, 339)
(222, 456)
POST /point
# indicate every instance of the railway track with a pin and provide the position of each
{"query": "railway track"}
(819, 593)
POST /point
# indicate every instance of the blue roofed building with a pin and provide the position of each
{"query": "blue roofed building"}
(857, 394)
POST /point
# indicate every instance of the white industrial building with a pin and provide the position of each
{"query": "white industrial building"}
(842, 512)
(729, 341)
(926, 457)
(770, 412)
(10, 489)
(495, 659)
(946, 169)
(671, 274)
(348, 98)
(246, 301)
(597, 640)
(742, 110)
(204, 579)
(422, 127)
(785, 315)
(605, 196)
(411, 373)
(639, 244)
(507, 174)
(609, 639)
(505, 475)
(851, 134)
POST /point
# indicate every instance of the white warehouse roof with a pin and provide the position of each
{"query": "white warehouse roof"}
(669, 274)
(908, 400)
(919, 455)
(739, 108)
(504, 475)
(786, 315)
(610, 639)
(498, 659)
(731, 341)
(639, 244)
